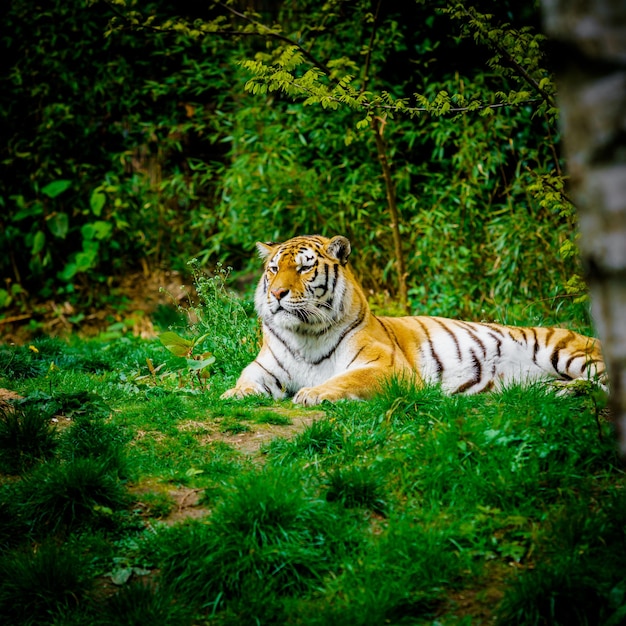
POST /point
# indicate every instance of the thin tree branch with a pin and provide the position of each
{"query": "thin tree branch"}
(378, 126)
(508, 58)
(368, 58)
(266, 30)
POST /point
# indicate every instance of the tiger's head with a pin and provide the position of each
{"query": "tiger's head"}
(304, 283)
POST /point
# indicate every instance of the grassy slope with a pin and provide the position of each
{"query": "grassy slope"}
(414, 508)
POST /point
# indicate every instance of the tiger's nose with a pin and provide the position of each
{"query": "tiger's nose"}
(280, 293)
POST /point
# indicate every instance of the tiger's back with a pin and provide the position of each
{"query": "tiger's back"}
(322, 342)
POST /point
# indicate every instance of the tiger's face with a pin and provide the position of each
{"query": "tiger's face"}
(304, 283)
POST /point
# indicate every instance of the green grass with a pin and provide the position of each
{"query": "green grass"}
(39, 584)
(412, 508)
(26, 437)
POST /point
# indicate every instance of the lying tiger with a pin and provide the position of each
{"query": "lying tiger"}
(322, 342)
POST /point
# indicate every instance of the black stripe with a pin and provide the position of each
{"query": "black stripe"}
(454, 338)
(556, 353)
(335, 279)
(287, 346)
(298, 357)
(432, 348)
(315, 274)
(509, 332)
(535, 346)
(324, 285)
(392, 338)
(589, 362)
(578, 355)
(276, 379)
(496, 328)
(348, 330)
(498, 342)
(471, 331)
(478, 369)
(282, 367)
(354, 358)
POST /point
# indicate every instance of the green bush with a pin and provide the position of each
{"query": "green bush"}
(38, 585)
(66, 496)
(146, 148)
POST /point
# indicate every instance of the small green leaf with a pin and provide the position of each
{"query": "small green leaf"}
(121, 575)
(68, 272)
(38, 242)
(192, 471)
(97, 202)
(86, 259)
(177, 345)
(96, 230)
(56, 188)
(102, 229)
(58, 225)
(200, 364)
(5, 298)
(27, 211)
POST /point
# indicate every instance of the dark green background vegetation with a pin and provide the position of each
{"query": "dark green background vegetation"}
(136, 137)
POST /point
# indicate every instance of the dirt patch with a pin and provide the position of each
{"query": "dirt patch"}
(182, 503)
(6, 399)
(167, 503)
(187, 505)
(479, 604)
(251, 442)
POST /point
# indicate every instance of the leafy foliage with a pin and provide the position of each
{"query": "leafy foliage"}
(194, 135)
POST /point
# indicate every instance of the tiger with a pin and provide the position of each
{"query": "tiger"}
(321, 340)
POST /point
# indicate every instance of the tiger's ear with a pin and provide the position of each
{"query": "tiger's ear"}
(265, 249)
(339, 248)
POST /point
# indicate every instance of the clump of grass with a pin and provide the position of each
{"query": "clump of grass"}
(320, 438)
(95, 439)
(271, 417)
(138, 604)
(561, 594)
(356, 486)
(13, 528)
(26, 438)
(266, 536)
(227, 322)
(36, 585)
(68, 495)
(70, 404)
(396, 578)
(232, 426)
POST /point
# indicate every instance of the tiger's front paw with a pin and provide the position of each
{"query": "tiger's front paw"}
(241, 391)
(310, 396)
